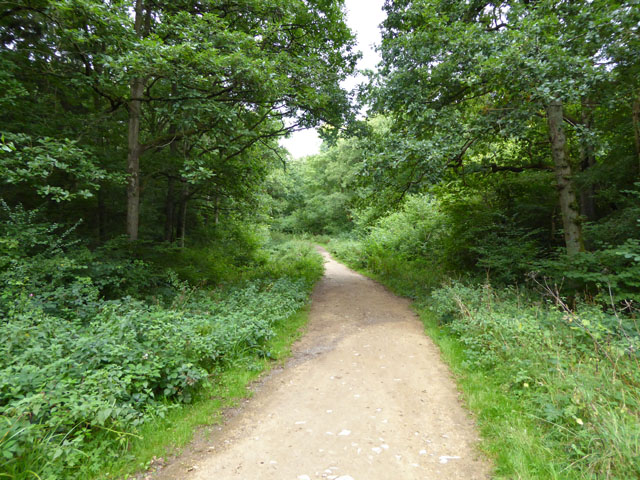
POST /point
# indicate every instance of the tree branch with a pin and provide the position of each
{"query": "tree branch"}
(509, 168)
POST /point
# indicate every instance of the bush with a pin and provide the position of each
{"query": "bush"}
(611, 274)
(64, 384)
(98, 342)
(291, 258)
(349, 250)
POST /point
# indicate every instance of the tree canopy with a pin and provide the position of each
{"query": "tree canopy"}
(195, 92)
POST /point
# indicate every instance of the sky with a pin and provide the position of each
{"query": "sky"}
(363, 17)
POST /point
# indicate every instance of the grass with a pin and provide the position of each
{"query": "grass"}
(169, 435)
(512, 438)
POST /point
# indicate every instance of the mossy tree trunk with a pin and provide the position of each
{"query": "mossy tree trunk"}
(567, 197)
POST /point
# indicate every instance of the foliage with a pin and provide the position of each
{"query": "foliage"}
(65, 381)
(99, 343)
(293, 258)
(468, 87)
(220, 83)
(442, 233)
(45, 263)
(322, 190)
(575, 371)
(609, 271)
(208, 406)
(58, 170)
(612, 273)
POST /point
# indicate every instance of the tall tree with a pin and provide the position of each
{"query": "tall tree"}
(142, 25)
(461, 76)
(219, 77)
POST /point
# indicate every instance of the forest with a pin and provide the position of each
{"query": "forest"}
(156, 241)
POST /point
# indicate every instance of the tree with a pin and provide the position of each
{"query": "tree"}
(216, 78)
(460, 76)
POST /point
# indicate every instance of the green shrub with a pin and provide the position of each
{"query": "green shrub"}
(349, 250)
(611, 274)
(292, 258)
(96, 343)
(64, 383)
(413, 233)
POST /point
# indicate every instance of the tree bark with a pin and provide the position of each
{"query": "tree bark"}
(217, 209)
(169, 211)
(636, 125)
(169, 206)
(136, 91)
(101, 215)
(183, 213)
(133, 160)
(568, 204)
(587, 160)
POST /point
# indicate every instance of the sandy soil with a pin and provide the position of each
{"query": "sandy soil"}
(364, 397)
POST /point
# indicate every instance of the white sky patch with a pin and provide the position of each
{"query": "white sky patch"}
(302, 143)
(364, 18)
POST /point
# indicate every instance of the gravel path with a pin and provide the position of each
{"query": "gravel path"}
(364, 397)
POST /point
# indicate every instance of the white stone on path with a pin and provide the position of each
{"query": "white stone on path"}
(446, 458)
(344, 433)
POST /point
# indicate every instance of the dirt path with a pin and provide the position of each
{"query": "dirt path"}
(365, 397)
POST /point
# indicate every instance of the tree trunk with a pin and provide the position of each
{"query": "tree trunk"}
(133, 160)
(169, 211)
(183, 213)
(568, 204)
(587, 160)
(217, 209)
(636, 125)
(134, 150)
(169, 206)
(102, 215)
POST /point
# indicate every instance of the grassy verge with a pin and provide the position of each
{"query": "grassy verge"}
(168, 435)
(512, 439)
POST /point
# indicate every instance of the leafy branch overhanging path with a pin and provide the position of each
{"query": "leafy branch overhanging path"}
(365, 397)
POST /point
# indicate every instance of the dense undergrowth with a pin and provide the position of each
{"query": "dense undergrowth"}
(97, 343)
(574, 372)
(550, 365)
